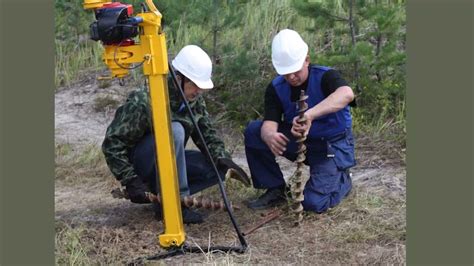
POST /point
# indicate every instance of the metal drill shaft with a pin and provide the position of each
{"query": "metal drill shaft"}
(297, 183)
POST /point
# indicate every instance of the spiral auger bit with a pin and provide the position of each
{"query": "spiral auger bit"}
(297, 183)
(199, 202)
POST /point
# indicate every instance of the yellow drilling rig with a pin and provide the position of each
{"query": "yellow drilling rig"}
(117, 27)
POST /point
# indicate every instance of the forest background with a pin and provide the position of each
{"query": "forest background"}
(365, 40)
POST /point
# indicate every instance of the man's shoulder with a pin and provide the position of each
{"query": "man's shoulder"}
(331, 74)
(137, 98)
(136, 101)
(321, 67)
(324, 70)
(138, 95)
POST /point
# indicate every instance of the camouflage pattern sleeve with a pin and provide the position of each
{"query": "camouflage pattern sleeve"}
(215, 144)
(130, 123)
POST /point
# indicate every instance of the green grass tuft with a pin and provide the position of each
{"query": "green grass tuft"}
(77, 165)
(70, 248)
(104, 103)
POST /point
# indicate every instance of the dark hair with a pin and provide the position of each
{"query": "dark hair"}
(182, 76)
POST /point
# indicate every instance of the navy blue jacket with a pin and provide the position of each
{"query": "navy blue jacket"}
(326, 126)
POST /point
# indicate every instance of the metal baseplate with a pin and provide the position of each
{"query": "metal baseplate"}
(178, 251)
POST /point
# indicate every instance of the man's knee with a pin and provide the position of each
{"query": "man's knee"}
(178, 133)
(321, 202)
(317, 202)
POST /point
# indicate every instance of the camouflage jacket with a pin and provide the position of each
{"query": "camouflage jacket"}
(132, 121)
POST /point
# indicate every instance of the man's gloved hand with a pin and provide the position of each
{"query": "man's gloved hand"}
(137, 190)
(236, 171)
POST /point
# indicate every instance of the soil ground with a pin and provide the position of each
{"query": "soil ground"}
(93, 227)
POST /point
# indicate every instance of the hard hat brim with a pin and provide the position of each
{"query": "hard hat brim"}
(284, 70)
(204, 85)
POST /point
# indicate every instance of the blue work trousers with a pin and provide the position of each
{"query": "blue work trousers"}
(195, 172)
(328, 158)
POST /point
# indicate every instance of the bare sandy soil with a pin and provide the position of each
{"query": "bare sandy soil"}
(368, 227)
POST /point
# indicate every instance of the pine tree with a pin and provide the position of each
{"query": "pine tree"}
(366, 40)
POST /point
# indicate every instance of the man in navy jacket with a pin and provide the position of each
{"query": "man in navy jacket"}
(328, 127)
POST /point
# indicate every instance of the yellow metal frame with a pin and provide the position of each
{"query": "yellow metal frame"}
(152, 52)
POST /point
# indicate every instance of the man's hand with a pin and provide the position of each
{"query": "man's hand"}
(136, 191)
(277, 142)
(236, 171)
(300, 129)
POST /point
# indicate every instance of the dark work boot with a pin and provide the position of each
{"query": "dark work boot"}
(191, 217)
(271, 198)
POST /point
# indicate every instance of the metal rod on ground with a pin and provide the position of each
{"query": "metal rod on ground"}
(199, 202)
(272, 215)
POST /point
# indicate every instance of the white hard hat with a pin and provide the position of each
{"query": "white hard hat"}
(288, 52)
(196, 65)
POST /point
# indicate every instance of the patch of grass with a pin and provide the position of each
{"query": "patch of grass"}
(104, 83)
(90, 156)
(104, 103)
(79, 164)
(388, 127)
(74, 58)
(235, 190)
(81, 245)
(70, 247)
(62, 150)
(368, 218)
(372, 149)
(370, 202)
